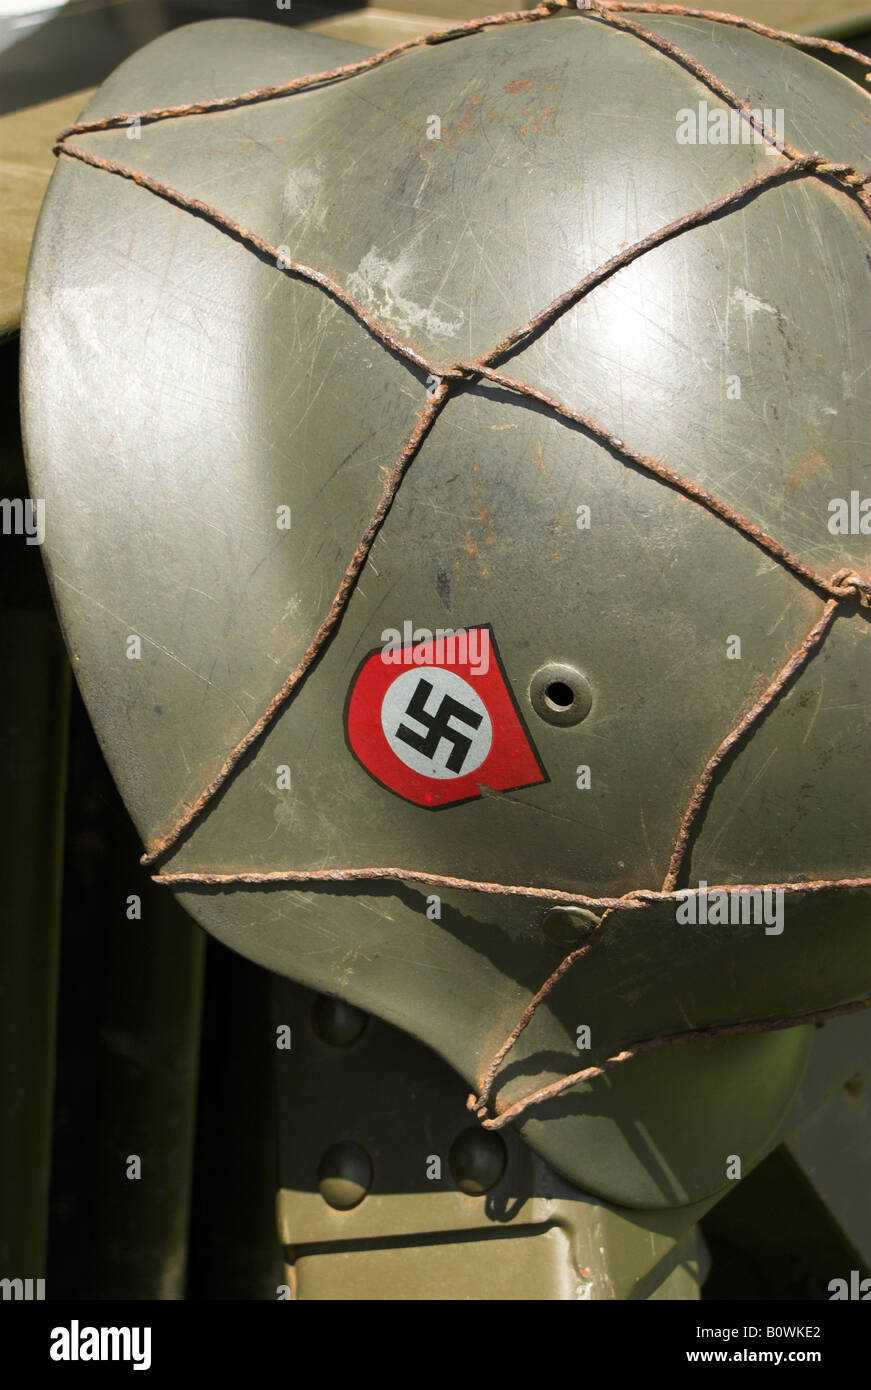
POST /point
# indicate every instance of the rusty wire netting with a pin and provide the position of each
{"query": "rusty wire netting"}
(844, 591)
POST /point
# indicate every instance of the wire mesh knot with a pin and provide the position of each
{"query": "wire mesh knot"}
(848, 584)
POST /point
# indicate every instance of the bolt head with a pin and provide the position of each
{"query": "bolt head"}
(569, 926)
(344, 1175)
(477, 1161)
(337, 1022)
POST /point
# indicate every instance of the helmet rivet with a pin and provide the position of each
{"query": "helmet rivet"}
(569, 926)
(560, 694)
(337, 1022)
(344, 1175)
(477, 1160)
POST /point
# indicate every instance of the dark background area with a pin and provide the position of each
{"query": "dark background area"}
(81, 43)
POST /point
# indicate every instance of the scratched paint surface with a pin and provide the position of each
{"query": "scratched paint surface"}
(187, 390)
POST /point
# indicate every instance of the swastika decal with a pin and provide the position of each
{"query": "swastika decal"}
(436, 723)
(435, 728)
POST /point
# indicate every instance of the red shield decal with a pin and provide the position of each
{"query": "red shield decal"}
(435, 721)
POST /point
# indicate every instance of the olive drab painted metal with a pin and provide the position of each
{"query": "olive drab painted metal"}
(180, 390)
(438, 1188)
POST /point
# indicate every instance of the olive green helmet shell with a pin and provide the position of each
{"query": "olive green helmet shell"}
(179, 390)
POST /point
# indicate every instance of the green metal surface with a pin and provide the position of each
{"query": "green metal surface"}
(833, 1150)
(165, 450)
(417, 1234)
(432, 1222)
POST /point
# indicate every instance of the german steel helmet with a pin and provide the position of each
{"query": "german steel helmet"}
(455, 489)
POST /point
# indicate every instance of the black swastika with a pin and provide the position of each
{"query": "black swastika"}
(438, 727)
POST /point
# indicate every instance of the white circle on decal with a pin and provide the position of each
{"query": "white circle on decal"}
(436, 722)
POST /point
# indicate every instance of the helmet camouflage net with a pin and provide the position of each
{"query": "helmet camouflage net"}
(463, 397)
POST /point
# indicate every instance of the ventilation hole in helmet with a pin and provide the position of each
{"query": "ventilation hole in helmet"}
(559, 695)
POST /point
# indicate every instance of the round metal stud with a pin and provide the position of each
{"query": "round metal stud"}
(344, 1175)
(336, 1022)
(569, 926)
(477, 1160)
(560, 694)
